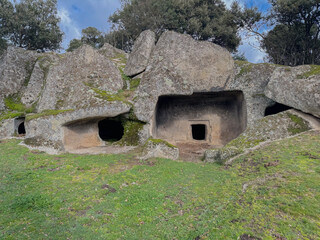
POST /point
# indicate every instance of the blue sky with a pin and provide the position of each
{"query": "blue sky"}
(78, 14)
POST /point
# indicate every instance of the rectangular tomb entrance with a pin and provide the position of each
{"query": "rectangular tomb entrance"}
(213, 118)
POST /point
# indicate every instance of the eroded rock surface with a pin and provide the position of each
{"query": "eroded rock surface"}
(16, 66)
(78, 79)
(252, 80)
(296, 87)
(181, 65)
(139, 57)
(270, 128)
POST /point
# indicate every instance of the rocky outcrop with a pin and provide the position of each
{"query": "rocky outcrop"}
(48, 129)
(79, 80)
(70, 94)
(156, 148)
(181, 65)
(270, 128)
(31, 93)
(139, 57)
(16, 66)
(297, 87)
(111, 52)
(252, 79)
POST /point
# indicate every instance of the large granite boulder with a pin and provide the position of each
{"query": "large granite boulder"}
(16, 66)
(79, 80)
(181, 65)
(139, 57)
(252, 80)
(297, 87)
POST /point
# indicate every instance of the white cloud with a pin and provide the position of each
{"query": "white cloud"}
(68, 26)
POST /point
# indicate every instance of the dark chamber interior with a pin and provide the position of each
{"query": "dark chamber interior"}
(21, 128)
(216, 117)
(198, 131)
(110, 130)
(276, 108)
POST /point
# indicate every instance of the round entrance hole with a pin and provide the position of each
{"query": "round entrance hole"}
(110, 130)
(21, 128)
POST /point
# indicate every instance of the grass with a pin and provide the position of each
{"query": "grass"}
(119, 197)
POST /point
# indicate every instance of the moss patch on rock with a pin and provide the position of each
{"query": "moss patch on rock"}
(120, 96)
(245, 67)
(131, 133)
(9, 115)
(134, 83)
(300, 124)
(314, 70)
(46, 113)
(160, 141)
(13, 103)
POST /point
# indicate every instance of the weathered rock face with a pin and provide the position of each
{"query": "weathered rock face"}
(34, 89)
(270, 128)
(180, 65)
(139, 57)
(155, 148)
(111, 52)
(73, 81)
(298, 87)
(252, 79)
(49, 130)
(190, 91)
(16, 65)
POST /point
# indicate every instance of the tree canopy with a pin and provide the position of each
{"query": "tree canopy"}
(294, 40)
(90, 36)
(30, 24)
(202, 19)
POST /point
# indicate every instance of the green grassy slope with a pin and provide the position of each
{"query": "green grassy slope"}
(272, 193)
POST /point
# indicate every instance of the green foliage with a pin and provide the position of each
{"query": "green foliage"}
(3, 45)
(31, 24)
(74, 44)
(121, 197)
(202, 19)
(46, 113)
(239, 57)
(90, 36)
(295, 38)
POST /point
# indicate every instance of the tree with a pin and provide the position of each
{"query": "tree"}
(74, 44)
(90, 36)
(31, 24)
(294, 39)
(93, 37)
(202, 19)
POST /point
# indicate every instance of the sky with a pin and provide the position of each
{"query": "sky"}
(79, 14)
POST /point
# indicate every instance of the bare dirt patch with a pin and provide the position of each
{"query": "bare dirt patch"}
(192, 152)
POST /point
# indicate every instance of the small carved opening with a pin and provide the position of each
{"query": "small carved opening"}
(110, 130)
(21, 128)
(198, 131)
(275, 109)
